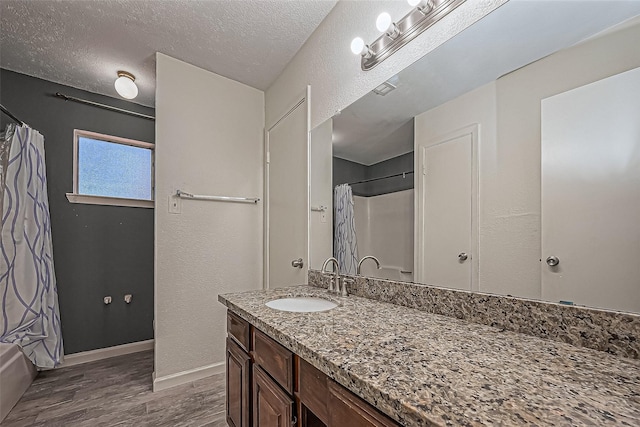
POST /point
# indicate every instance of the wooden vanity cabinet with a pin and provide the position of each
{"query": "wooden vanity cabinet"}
(269, 386)
(239, 374)
(238, 385)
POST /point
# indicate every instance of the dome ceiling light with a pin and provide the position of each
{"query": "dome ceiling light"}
(125, 85)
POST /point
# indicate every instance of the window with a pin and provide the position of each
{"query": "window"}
(108, 170)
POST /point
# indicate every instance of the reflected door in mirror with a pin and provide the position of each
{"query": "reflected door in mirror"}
(446, 196)
(591, 194)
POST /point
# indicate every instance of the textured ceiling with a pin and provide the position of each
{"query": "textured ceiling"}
(376, 128)
(83, 43)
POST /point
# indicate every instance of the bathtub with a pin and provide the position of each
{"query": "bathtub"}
(16, 375)
(387, 272)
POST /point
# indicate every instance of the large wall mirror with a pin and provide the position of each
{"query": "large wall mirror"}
(506, 161)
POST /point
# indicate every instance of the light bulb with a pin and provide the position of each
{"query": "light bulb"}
(424, 6)
(383, 22)
(357, 45)
(125, 85)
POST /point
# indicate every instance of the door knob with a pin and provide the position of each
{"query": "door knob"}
(297, 263)
(552, 261)
(462, 256)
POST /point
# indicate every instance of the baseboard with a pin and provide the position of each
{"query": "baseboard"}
(105, 353)
(168, 381)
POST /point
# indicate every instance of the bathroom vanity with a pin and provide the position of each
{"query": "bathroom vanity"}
(372, 363)
(269, 385)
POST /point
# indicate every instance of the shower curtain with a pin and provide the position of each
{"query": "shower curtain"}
(28, 293)
(345, 245)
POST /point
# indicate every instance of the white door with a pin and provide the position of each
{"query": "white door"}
(287, 214)
(591, 194)
(446, 244)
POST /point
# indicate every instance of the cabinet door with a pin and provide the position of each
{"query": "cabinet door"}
(238, 386)
(272, 407)
(347, 409)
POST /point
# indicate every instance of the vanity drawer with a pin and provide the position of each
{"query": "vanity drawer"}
(239, 330)
(276, 360)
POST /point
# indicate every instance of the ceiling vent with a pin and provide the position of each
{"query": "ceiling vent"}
(384, 88)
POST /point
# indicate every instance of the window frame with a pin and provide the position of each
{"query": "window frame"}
(76, 197)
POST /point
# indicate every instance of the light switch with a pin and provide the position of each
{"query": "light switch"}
(175, 205)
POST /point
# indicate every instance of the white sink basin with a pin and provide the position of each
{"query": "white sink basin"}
(302, 304)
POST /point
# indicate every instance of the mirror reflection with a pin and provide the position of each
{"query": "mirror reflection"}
(508, 166)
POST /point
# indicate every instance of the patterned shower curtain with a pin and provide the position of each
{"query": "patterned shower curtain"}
(345, 245)
(28, 292)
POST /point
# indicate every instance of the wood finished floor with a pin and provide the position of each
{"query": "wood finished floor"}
(117, 392)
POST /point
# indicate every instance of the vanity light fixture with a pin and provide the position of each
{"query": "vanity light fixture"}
(125, 85)
(424, 14)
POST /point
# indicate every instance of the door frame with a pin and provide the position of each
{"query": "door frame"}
(420, 201)
(299, 100)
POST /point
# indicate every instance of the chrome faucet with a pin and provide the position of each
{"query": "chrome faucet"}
(366, 258)
(335, 280)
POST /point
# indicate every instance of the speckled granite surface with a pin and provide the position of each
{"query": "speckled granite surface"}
(614, 332)
(425, 369)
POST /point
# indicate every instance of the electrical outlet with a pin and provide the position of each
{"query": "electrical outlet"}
(175, 205)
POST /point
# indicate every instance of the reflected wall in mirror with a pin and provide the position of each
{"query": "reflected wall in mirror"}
(484, 118)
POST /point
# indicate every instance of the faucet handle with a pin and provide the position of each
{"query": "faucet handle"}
(343, 285)
(332, 286)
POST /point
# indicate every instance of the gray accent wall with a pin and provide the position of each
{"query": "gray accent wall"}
(345, 171)
(98, 250)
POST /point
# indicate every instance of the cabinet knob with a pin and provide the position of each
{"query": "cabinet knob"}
(297, 263)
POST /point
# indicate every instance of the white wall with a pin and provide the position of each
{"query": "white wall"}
(384, 228)
(209, 140)
(326, 63)
(508, 112)
(321, 194)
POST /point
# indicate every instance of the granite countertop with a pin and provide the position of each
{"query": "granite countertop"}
(424, 369)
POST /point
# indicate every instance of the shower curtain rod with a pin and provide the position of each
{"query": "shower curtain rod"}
(8, 113)
(402, 174)
(105, 106)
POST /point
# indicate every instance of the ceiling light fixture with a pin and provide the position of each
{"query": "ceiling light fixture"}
(424, 14)
(125, 85)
